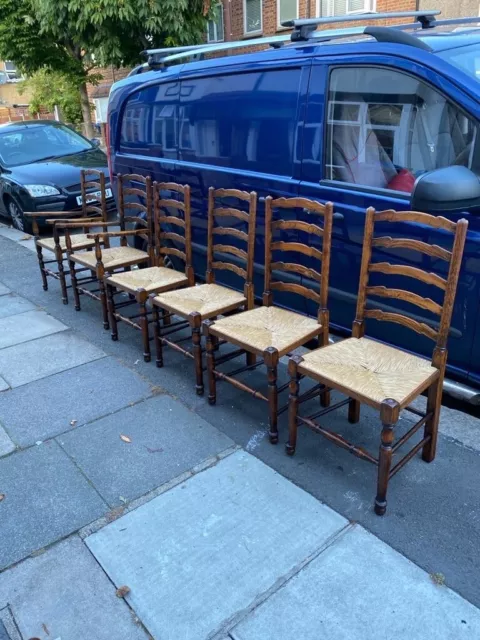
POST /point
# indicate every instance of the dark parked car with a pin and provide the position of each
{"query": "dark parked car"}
(40, 164)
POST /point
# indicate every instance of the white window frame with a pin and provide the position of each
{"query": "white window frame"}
(260, 30)
(215, 27)
(279, 18)
(369, 6)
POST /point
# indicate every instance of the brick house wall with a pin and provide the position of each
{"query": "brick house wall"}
(234, 15)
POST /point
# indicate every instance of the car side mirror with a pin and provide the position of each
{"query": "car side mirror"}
(448, 189)
(95, 142)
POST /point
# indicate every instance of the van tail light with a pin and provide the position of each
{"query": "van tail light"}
(109, 151)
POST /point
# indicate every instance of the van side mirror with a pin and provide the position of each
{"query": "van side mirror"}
(448, 189)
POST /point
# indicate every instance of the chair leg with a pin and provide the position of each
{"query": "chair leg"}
(294, 388)
(147, 356)
(157, 336)
(271, 358)
(434, 403)
(195, 320)
(211, 347)
(103, 299)
(73, 280)
(389, 412)
(61, 277)
(353, 411)
(112, 311)
(41, 264)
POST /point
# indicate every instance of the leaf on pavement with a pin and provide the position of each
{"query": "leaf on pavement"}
(125, 438)
(121, 592)
(25, 237)
(438, 578)
(2, 496)
(73, 422)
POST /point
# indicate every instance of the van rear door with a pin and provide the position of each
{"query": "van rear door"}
(370, 130)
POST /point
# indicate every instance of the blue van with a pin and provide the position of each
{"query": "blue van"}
(386, 117)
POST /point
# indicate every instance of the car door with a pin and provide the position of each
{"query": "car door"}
(240, 128)
(370, 130)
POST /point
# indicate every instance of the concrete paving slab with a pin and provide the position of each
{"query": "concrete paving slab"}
(27, 326)
(167, 439)
(8, 625)
(12, 304)
(198, 554)
(46, 498)
(4, 290)
(46, 356)
(6, 444)
(22, 238)
(4, 386)
(48, 406)
(361, 588)
(63, 593)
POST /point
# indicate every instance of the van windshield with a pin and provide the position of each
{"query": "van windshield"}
(466, 58)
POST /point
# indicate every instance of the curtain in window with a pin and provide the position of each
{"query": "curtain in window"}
(253, 9)
(288, 10)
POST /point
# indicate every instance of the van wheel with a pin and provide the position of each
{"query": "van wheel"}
(18, 219)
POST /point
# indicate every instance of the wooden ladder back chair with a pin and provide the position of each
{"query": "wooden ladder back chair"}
(382, 376)
(156, 277)
(110, 259)
(195, 304)
(182, 223)
(89, 179)
(213, 248)
(271, 331)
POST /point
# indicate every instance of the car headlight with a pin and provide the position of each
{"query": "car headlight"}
(40, 190)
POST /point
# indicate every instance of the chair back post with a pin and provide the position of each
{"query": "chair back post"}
(210, 275)
(121, 202)
(267, 298)
(248, 289)
(157, 227)
(149, 199)
(189, 272)
(440, 351)
(358, 329)
(323, 312)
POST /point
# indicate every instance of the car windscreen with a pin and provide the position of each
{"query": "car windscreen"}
(39, 142)
(466, 58)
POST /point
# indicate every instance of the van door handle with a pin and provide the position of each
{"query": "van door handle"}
(338, 216)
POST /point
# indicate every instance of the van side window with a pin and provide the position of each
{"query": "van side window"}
(385, 128)
(150, 122)
(242, 121)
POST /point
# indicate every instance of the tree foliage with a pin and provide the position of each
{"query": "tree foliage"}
(49, 89)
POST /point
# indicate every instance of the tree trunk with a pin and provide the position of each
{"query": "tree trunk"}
(86, 112)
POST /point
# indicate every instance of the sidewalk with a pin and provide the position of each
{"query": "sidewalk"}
(115, 474)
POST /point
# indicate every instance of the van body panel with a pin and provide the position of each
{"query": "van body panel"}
(259, 121)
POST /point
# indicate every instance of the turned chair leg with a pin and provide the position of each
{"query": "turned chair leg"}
(294, 388)
(353, 411)
(195, 320)
(73, 280)
(389, 413)
(157, 336)
(112, 311)
(41, 264)
(211, 347)
(271, 358)
(144, 326)
(434, 403)
(61, 274)
(103, 299)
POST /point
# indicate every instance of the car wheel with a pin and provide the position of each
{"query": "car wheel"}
(16, 214)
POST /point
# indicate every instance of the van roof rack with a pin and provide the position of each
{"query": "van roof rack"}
(305, 30)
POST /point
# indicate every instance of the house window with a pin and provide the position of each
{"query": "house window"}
(215, 26)
(328, 8)
(286, 10)
(11, 71)
(252, 15)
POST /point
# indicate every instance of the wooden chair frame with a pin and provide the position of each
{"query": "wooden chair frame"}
(194, 319)
(139, 296)
(270, 357)
(89, 178)
(390, 408)
(80, 286)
